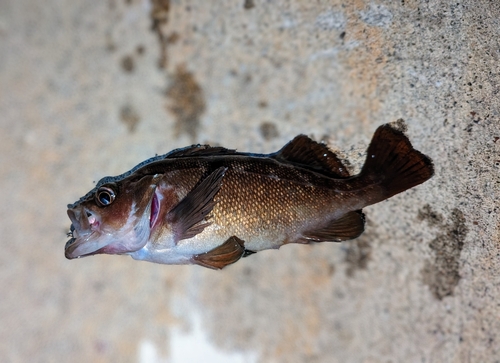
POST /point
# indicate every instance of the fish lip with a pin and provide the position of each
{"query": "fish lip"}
(74, 243)
(80, 232)
(68, 251)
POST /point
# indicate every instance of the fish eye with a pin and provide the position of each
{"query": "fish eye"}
(104, 196)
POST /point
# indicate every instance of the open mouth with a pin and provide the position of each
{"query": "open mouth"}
(83, 224)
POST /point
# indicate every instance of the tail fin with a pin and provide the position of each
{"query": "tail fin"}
(394, 164)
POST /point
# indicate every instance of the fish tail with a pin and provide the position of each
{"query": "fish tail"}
(394, 164)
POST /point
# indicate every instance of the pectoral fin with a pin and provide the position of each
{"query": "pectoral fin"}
(186, 216)
(227, 253)
(349, 226)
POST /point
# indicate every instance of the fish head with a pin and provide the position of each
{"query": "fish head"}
(113, 218)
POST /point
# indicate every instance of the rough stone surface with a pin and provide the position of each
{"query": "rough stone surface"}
(91, 88)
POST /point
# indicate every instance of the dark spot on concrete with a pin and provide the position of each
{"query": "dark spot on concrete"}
(140, 49)
(248, 4)
(247, 271)
(331, 269)
(263, 104)
(173, 38)
(187, 101)
(128, 64)
(342, 35)
(128, 2)
(129, 117)
(358, 253)
(442, 273)
(268, 130)
(159, 18)
(433, 218)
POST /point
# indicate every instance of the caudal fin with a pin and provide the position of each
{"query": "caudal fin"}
(394, 164)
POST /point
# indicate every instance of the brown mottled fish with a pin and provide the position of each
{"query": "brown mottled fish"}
(211, 206)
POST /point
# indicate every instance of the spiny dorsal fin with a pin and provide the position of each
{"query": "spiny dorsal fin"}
(313, 156)
(199, 150)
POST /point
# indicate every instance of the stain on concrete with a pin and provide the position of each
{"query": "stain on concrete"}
(173, 38)
(432, 217)
(159, 18)
(129, 117)
(248, 4)
(187, 101)
(358, 253)
(140, 49)
(128, 64)
(442, 273)
(268, 130)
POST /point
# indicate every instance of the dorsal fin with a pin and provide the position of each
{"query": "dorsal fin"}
(199, 150)
(312, 155)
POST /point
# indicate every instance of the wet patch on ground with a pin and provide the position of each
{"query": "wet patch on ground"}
(130, 117)
(268, 130)
(159, 18)
(187, 101)
(441, 273)
(128, 64)
(358, 253)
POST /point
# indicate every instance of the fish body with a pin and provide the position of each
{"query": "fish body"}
(211, 206)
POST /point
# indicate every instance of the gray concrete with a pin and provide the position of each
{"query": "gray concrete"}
(86, 90)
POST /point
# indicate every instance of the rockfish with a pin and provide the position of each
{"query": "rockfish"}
(211, 206)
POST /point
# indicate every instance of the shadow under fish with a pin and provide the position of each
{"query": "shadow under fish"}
(211, 206)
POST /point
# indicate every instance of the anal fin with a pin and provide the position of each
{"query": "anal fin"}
(349, 226)
(227, 253)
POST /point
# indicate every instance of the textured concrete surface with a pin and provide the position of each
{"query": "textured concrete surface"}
(90, 88)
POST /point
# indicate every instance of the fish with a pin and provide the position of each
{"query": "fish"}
(211, 206)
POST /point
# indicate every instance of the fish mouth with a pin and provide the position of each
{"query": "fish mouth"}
(88, 235)
(84, 225)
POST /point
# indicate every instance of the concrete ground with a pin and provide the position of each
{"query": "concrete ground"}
(91, 88)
